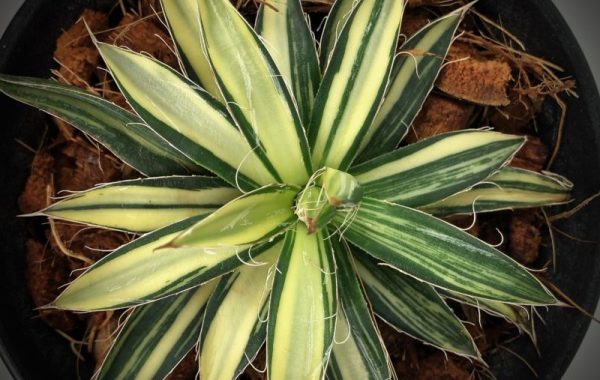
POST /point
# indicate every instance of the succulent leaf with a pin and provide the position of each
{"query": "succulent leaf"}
(284, 29)
(337, 17)
(187, 117)
(302, 308)
(144, 205)
(313, 209)
(437, 167)
(413, 307)
(120, 131)
(235, 323)
(510, 188)
(183, 17)
(358, 351)
(257, 96)
(249, 219)
(157, 336)
(441, 254)
(328, 191)
(414, 72)
(520, 316)
(354, 82)
(140, 272)
(341, 189)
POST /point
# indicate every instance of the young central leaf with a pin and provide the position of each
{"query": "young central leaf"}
(249, 219)
(330, 190)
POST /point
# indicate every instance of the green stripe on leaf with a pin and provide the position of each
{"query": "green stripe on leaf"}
(144, 205)
(284, 29)
(413, 307)
(510, 188)
(337, 17)
(358, 351)
(354, 82)
(184, 24)
(195, 123)
(235, 323)
(302, 308)
(120, 131)
(140, 272)
(157, 336)
(414, 72)
(439, 253)
(436, 168)
(256, 94)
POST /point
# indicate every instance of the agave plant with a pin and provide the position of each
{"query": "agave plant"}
(315, 219)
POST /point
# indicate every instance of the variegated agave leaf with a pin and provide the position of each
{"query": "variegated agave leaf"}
(314, 222)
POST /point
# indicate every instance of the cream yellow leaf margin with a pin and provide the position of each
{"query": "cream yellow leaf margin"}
(144, 205)
(235, 322)
(157, 336)
(189, 119)
(184, 24)
(185, 254)
(257, 96)
(354, 82)
(283, 27)
(302, 308)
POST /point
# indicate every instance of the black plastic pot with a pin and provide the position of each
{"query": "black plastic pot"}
(31, 350)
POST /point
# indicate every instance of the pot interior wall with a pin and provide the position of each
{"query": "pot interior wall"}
(545, 33)
(30, 349)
